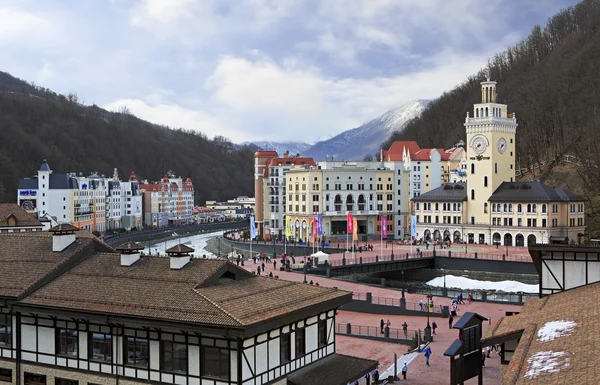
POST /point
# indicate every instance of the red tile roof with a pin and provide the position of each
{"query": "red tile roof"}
(289, 160)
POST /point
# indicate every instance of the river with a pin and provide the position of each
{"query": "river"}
(197, 242)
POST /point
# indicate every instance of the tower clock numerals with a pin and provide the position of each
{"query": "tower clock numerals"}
(501, 145)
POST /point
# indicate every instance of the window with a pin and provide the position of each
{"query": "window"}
(472, 168)
(215, 362)
(473, 194)
(100, 345)
(495, 168)
(5, 375)
(174, 356)
(66, 342)
(5, 330)
(64, 381)
(300, 342)
(485, 181)
(285, 346)
(136, 351)
(34, 379)
(322, 333)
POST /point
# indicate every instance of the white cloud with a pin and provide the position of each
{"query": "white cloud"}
(17, 24)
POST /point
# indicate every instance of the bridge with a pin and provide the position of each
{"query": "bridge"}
(429, 260)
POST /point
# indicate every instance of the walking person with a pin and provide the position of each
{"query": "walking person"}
(382, 324)
(421, 304)
(404, 370)
(274, 265)
(405, 329)
(427, 354)
(433, 326)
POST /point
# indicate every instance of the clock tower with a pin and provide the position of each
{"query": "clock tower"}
(490, 153)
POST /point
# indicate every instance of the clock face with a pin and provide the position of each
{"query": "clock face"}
(502, 145)
(479, 144)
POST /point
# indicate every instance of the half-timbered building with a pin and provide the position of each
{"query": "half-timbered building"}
(74, 311)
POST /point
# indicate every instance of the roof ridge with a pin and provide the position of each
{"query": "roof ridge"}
(248, 294)
(218, 306)
(122, 276)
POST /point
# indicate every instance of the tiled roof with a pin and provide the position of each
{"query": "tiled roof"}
(449, 192)
(23, 217)
(575, 360)
(291, 160)
(336, 369)
(26, 258)
(534, 191)
(179, 249)
(150, 289)
(28, 184)
(63, 227)
(130, 246)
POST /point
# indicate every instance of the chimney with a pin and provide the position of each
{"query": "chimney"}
(130, 253)
(63, 236)
(179, 256)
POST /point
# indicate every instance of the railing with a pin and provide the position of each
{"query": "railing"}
(374, 331)
(484, 296)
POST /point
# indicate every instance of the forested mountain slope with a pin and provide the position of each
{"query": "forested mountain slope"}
(37, 124)
(551, 80)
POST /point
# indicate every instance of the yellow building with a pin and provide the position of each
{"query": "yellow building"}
(490, 206)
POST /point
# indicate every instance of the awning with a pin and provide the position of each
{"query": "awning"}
(336, 369)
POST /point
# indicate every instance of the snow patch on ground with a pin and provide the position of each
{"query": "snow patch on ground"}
(467, 283)
(546, 362)
(552, 330)
(197, 242)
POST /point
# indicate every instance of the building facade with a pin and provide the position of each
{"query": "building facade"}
(490, 206)
(13, 218)
(167, 202)
(190, 330)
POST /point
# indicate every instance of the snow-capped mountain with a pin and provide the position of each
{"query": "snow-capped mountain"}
(355, 143)
(293, 147)
(366, 139)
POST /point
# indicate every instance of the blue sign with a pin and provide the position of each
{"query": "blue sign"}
(413, 225)
(320, 224)
(28, 192)
(252, 228)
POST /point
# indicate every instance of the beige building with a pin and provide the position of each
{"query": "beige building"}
(489, 206)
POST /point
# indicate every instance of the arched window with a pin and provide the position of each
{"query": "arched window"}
(510, 208)
(543, 208)
(473, 194)
(454, 206)
(486, 112)
(477, 112)
(485, 181)
(417, 206)
(437, 206)
(519, 208)
(485, 206)
(528, 208)
(505, 207)
(472, 168)
(534, 208)
(493, 207)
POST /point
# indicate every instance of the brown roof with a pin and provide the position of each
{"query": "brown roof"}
(129, 246)
(180, 249)
(336, 369)
(27, 258)
(574, 358)
(22, 217)
(63, 227)
(194, 294)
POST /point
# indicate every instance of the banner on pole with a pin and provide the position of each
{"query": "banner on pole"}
(384, 227)
(320, 224)
(315, 231)
(288, 226)
(413, 226)
(252, 228)
(354, 229)
(350, 223)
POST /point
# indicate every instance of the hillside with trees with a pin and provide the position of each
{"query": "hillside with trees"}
(551, 80)
(37, 124)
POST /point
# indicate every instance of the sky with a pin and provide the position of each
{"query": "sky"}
(276, 70)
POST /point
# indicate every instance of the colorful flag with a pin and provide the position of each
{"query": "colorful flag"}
(288, 227)
(252, 228)
(413, 226)
(350, 224)
(315, 230)
(320, 224)
(355, 229)
(384, 227)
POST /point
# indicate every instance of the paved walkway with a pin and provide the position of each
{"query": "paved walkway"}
(419, 373)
